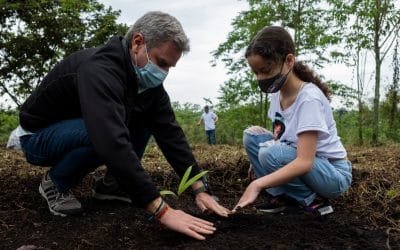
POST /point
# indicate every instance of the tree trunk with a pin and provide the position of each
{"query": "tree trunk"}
(360, 90)
(394, 95)
(375, 123)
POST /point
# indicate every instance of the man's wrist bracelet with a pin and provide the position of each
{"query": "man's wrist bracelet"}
(158, 210)
(199, 190)
(162, 212)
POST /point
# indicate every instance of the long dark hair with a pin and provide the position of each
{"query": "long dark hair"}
(275, 43)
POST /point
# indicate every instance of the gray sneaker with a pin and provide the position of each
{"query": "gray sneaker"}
(61, 204)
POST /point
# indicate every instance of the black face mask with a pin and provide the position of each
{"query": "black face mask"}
(273, 84)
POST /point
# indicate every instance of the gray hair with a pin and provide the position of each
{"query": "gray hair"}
(158, 27)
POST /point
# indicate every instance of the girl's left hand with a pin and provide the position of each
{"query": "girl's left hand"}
(249, 195)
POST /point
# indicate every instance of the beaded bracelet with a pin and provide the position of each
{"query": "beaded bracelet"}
(162, 212)
(154, 215)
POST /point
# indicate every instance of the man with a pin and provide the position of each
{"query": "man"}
(100, 106)
(209, 119)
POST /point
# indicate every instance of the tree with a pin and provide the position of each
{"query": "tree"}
(376, 29)
(392, 97)
(385, 20)
(354, 55)
(313, 30)
(369, 26)
(35, 34)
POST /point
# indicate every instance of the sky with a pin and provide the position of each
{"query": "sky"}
(207, 24)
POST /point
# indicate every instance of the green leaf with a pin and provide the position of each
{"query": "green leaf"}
(167, 192)
(191, 181)
(184, 179)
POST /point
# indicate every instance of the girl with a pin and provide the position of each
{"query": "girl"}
(303, 160)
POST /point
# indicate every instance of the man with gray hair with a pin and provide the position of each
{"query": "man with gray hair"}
(100, 106)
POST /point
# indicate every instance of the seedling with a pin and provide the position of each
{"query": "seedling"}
(185, 183)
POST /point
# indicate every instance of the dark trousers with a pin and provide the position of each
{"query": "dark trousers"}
(210, 134)
(65, 147)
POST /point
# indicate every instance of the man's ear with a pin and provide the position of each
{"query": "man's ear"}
(137, 42)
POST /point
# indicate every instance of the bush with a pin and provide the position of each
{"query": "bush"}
(8, 122)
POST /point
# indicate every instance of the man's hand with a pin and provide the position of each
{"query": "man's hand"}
(179, 221)
(249, 196)
(207, 203)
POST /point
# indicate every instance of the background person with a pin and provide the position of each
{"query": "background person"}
(100, 106)
(209, 118)
(307, 163)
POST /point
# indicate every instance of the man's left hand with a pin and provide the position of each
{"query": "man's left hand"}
(207, 203)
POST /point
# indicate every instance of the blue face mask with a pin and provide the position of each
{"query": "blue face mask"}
(150, 76)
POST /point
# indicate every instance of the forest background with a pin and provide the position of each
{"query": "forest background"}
(34, 35)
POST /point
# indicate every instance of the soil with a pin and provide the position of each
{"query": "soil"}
(365, 217)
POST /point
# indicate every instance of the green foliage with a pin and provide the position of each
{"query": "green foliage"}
(314, 31)
(346, 95)
(229, 128)
(392, 193)
(185, 182)
(233, 121)
(390, 106)
(371, 26)
(187, 116)
(8, 122)
(35, 34)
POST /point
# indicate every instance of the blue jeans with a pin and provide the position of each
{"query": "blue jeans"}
(210, 134)
(65, 147)
(327, 178)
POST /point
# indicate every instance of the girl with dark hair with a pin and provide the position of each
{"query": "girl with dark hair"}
(303, 160)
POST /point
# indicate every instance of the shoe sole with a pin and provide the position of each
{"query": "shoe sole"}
(107, 197)
(54, 212)
(272, 211)
(325, 210)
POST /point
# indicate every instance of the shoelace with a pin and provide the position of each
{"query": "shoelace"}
(65, 197)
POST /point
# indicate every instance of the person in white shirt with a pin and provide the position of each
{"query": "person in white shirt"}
(302, 161)
(209, 118)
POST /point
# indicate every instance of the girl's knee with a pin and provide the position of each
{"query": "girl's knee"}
(247, 140)
(252, 136)
(276, 156)
(267, 160)
(265, 155)
(256, 130)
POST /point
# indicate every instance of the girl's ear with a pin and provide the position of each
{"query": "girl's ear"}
(290, 60)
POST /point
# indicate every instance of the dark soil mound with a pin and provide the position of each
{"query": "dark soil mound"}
(367, 217)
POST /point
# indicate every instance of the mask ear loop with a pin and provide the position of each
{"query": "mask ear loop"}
(284, 64)
(136, 64)
(147, 54)
(280, 72)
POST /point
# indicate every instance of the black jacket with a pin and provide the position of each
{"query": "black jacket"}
(100, 86)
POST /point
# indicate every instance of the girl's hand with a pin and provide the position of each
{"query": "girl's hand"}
(249, 195)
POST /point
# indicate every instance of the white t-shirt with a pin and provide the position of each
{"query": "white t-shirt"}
(208, 118)
(311, 111)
